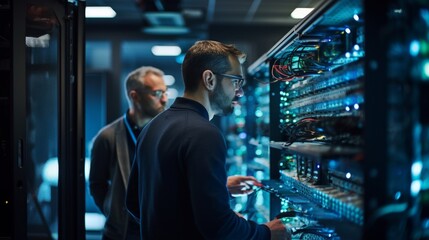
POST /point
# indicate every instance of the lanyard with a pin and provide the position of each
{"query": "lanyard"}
(129, 129)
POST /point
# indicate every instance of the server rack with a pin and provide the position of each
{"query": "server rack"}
(42, 127)
(348, 133)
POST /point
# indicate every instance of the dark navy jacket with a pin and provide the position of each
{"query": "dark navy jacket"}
(177, 186)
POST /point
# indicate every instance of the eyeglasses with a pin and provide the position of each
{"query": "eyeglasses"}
(237, 80)
(157, 93)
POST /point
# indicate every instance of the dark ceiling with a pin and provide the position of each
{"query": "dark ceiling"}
(199, 14)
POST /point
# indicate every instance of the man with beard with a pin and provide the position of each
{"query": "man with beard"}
(113, 151)
(178, 189)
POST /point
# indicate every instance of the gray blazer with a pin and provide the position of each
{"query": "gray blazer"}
(108, 177)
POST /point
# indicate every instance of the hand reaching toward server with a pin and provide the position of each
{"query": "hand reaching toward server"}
(239, 185)
(278, 230)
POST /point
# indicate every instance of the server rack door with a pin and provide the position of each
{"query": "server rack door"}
(12, 133)
(42, 187)
(42, 82)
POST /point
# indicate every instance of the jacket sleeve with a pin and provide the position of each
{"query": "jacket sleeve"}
(99, 181)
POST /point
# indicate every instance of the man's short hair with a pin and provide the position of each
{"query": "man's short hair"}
(207, 55)
(132, 81)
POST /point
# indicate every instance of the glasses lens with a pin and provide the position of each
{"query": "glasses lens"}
(236, 83)
(158, 93)
(236, 80)
(240, 83)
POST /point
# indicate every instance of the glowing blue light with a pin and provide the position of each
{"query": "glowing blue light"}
(87, 167)
(258, 152)
(356, 106)
(356, 47)
(180, 58)
(416, 169)
(347, 108)
(348, 175)
(426, 69)
(414, 48)
(348, 31)
(242, 135)
(50, 172)
(356, 17)
(415, 187)
(398, 195)
(347, 55)
(94, 221)
(169, 80)
(259, 113)
(243, 148)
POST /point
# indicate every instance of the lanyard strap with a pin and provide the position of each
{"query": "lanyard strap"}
(129, 129)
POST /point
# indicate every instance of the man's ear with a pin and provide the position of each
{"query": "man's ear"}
(209, 80)
(133, 95)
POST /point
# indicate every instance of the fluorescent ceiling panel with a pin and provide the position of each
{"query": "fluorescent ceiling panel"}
(166, 50)
(300, 13)
(99, 12)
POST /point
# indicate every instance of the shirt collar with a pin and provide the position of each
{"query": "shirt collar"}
(181, 102)
(130, 121)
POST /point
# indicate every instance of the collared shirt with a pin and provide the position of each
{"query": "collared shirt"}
(133, 132)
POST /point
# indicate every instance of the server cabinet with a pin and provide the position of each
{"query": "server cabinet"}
(348, 132)
(41, 62)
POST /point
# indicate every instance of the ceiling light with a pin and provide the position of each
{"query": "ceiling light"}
(99, 12)
(165, 18)
(166, 50)
(166, 30)
(300, 13)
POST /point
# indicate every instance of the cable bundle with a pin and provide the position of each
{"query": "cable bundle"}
(302, 130)
(302, 62)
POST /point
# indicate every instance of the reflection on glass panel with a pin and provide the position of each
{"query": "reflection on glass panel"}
(95, 119)
(42, 121)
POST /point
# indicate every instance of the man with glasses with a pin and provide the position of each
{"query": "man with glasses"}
(179, 189)
(114, 146)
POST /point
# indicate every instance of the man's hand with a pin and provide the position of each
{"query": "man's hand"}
(239, 185)
(278, 230)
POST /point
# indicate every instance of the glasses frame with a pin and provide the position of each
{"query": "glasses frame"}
(156, 93)
(237, 80)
